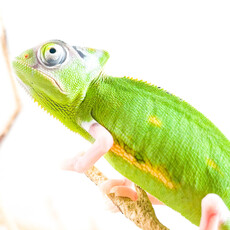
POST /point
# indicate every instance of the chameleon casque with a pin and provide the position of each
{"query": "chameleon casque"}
(159, 141)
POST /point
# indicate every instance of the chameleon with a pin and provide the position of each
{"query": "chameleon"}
(152, 137)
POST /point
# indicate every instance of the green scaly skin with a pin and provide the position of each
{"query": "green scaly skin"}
(166, 146)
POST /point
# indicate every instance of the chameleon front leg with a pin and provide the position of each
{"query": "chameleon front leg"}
(103, 143)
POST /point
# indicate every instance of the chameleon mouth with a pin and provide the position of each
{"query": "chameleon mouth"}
(52, 80)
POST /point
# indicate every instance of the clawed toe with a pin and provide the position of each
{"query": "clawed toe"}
(120, 187)
(124, 191)
(123, 188)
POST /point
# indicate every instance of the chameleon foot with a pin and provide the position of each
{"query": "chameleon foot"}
(215, 214)
(120, 187)
(123, 188)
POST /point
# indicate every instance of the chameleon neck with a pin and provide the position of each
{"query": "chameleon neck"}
(100, 95)
(66, 113)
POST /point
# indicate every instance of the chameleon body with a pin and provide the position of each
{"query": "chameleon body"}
(161, 143)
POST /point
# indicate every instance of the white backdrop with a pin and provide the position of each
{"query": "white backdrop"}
(182, 46)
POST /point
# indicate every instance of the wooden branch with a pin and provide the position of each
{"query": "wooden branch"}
(6, 220)
(3, 41)
(140, 212)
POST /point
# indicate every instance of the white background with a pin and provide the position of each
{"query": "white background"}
(182, 46)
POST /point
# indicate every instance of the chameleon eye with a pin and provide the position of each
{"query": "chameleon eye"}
(52, 54)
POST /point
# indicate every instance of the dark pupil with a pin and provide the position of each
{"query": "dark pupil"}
(52, 50)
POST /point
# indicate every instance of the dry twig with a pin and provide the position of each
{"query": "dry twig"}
(5, 217)
(3, 41)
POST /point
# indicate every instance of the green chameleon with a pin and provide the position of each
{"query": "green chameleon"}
(153, 138)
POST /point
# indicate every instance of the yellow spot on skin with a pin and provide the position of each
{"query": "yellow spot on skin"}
(212, 164)
(158, 172)
(91, 50)
(155, 121)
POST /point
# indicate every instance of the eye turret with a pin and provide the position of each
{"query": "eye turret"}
(52, 54)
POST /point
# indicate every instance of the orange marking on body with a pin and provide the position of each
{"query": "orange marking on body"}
(158, 172)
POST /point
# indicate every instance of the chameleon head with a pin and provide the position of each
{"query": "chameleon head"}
(59, 72)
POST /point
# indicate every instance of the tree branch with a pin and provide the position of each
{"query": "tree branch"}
(140, 212)
(6, 220)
